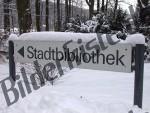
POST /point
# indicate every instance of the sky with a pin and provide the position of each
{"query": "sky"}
(124, 5)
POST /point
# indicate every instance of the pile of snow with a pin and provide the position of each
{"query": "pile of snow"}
(13, 37)
(2, 59)
(82, 91)
(135, 39)
(48, 101)
(65, 36)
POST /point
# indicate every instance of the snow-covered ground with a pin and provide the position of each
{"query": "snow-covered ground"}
(82, 91)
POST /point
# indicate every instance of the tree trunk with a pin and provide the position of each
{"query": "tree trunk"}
(24, 15)
(106, 5)
(37, 8)
(47, 15)
(145, 2)
(61, 11)
(103, 6)
(98, 6)
(115, 8)
(58, 16)
(81, 8)
(69, 10)
(90, 3)
(72, 9)
(66, 11)
(6, 15)
(91, 10)
(41, 16)
(142, 3)
(54, 14)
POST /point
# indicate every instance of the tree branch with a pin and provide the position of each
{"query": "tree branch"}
(88, 2)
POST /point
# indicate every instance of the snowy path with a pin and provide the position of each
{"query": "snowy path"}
(82, 91)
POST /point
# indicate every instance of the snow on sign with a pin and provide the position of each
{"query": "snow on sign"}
(88, 51)
(74, 53)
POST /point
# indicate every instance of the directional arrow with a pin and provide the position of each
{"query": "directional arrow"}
(21, 51)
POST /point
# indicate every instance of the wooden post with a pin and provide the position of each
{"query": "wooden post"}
(139, 69)
(12, 66)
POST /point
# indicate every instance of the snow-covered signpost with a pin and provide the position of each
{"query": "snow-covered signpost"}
(77, 50)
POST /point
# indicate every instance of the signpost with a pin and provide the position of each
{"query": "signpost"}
(139, 70)
(71, 54)
(114, 58)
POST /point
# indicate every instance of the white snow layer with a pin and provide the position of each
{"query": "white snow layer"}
(65, 36)
(82, 91)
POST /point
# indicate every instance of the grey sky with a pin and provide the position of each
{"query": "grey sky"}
(123, 5)
(126, 5)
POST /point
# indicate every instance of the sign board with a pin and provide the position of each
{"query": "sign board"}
(114, 58)
(75, 53)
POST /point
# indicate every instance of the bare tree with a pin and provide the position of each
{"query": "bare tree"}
(144, 11)
(115, 8)
(6, 15)
(98, 6)
(142, 3)
(54, 12)
(61, 10)
(66, 11)
(90, 3)
(107, 1)
(103, 6)
(69, 10)
(58, 16)
(47, 15)
(24, 15)
(72, 8)
(81, 6)
(42, 6)
(145, 2)
(37, 8)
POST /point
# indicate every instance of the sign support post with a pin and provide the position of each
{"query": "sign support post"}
(139, 69)
(12, 66)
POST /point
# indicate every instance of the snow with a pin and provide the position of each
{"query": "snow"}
(65, 36)
(135, 39)
(13, 37)
(2, 59)
(82, 91)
